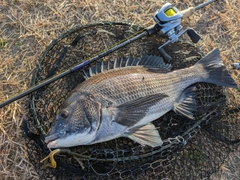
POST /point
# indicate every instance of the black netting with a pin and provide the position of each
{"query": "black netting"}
(192, 149)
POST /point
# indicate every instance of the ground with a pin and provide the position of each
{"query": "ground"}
(27, 27)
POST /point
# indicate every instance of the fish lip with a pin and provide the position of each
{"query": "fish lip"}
(53, 137)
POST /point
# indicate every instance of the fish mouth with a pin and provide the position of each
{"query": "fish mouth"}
(50, 139)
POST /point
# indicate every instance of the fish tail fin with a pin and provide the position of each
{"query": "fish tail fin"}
(217, 72)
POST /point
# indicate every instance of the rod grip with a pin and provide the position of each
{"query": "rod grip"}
(188, 12)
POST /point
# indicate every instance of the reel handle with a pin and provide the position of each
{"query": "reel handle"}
(165, 55)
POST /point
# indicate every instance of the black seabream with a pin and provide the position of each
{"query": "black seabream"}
(121, 98)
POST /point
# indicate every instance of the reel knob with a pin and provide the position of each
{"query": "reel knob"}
(193, 35)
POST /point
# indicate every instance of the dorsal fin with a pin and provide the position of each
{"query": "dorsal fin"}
(151, 61)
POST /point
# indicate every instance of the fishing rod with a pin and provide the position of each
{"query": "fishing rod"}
(168, 24)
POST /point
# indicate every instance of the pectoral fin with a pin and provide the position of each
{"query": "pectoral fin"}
(186, 104)
(145, 135)
(131, 112)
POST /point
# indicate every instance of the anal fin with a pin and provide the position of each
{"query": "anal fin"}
(145, 135)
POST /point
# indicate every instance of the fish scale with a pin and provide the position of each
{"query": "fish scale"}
(122, 97)
(131, 86)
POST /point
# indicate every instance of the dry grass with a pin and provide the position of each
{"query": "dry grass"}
(27, 27)
(230, 168)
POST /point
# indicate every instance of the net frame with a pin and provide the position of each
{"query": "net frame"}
(129, 160)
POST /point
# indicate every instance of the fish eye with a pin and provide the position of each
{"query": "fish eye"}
(64, 114)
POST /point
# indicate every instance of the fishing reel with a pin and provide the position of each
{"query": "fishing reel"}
(169, 19)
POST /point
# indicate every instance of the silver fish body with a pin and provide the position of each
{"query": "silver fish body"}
(123, 100)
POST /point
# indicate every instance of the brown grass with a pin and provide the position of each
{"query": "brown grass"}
(27, 27)
(230, 168)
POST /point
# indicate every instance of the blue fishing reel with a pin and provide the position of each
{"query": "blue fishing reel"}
(169, 19)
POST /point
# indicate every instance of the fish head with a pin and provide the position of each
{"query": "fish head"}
(76, 122)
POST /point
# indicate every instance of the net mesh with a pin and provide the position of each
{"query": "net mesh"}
(192, 149)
